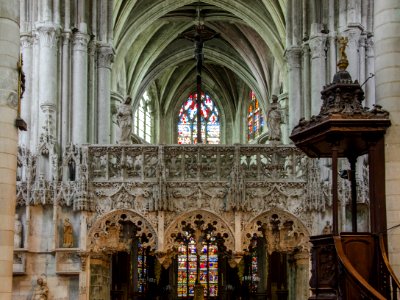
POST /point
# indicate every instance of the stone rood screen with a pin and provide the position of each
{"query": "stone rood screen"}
(195, 163)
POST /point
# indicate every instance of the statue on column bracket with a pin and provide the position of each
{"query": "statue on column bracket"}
(68, 240)
(17, 232)
(274, 120)
(41, 291)
(124, 121)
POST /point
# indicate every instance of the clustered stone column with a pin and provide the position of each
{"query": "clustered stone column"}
(387, 70)
(26, 51)
(80, 88)
(9, 43)
(105, 58)
(293, 56)
(318, 68)
(48, 40)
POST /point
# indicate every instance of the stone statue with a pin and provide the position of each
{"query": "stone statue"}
(17, 232)
(124, 121)
(327, 229)
(68, 241)
(41, 291)
(274, 120)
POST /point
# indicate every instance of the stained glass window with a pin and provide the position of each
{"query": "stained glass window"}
(143, 121)
(255, 120)
(210, 123)
(142, 269)
(187, 269)
(254, 272)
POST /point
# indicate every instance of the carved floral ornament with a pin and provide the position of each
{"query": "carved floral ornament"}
(282, 231)
(114, 232)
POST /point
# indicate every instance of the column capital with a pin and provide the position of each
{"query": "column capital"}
(48, 35)
(66, 37)
(105, 55)
(317, 45)
(293, 57)
(80, 41)
(26, 41)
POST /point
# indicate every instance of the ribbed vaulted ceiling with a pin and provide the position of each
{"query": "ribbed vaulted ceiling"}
(151, 55)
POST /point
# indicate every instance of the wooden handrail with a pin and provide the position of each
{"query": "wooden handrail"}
(385, 258)
(355, 275)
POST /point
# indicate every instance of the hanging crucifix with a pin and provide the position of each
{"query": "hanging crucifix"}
(199, 35)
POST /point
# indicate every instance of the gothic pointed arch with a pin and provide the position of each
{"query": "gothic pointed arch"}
(282, 231)
(113, 232)
(222, 229)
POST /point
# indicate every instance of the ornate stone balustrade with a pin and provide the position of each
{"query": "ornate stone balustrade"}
(195, 163)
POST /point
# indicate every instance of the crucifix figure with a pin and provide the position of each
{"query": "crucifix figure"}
(199, 35)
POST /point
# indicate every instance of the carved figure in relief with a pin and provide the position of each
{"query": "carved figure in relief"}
(68, 241)
(17, 232)
(274, 120)
(124, 121)
(41, 291)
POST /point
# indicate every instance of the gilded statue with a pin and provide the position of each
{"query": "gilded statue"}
(68, 241)
(343, 61)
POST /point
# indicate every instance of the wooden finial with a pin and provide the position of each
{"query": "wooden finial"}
(343, 61)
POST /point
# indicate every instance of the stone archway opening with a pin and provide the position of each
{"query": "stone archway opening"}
(123, 264)
(276, 257)
(199, 246)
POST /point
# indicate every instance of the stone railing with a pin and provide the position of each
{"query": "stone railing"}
(195, 163)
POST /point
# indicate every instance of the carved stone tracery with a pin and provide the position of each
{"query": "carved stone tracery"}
(282, 231)
(107, 233)
(171, 244)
